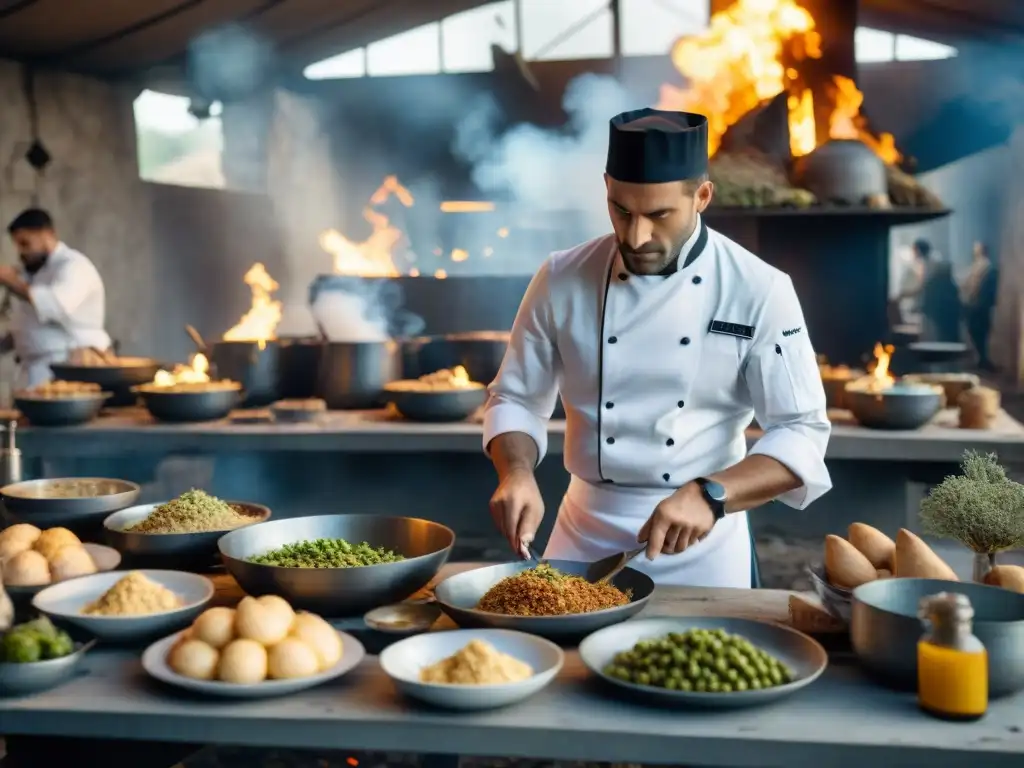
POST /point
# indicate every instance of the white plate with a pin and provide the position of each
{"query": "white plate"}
(803, 655)
(106, 559)
(154, 661)
(403, 661)
(67, 599)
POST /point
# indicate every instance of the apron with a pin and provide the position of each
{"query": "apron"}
(597, 521)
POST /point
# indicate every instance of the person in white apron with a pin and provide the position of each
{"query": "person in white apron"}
(56, 297)
(665, 339)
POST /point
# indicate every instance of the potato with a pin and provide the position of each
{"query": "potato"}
(845, 566)
(1009, 577)
(915, 559)
(873, 544)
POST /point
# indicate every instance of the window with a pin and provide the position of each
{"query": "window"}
(175, 147)
(467, 37)
(874, 45)
(651, 27)
(416, 52)
(567, 29)
(916, 49)
(348, 64)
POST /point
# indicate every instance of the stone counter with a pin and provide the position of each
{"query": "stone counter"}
(129, 431)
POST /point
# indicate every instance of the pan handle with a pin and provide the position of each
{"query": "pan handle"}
(196, 338)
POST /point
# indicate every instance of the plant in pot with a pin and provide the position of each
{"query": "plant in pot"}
(981, 508)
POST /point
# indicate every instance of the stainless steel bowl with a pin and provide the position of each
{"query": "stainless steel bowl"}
(20, 679)
(885, 629)
(340, 591)
(63, 411)
(459, 595)
(181, 551)
(46, 503)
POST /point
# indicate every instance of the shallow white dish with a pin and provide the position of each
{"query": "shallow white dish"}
(66, 600)
(803, 655)
(106, 559)
(403, 661)
(154, 661)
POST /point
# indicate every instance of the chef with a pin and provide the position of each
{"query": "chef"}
(665, 339)
(57, 299)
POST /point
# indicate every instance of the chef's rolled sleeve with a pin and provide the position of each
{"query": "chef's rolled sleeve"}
(782, 376)
(57, 301)
(523, 394)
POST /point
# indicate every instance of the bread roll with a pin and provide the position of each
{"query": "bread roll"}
(915, 559)
(845, 566)
(70, 562)
(52, 540)
(1009, 577)
(873, 544)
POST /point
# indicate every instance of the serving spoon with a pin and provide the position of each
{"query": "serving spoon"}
(607, 568)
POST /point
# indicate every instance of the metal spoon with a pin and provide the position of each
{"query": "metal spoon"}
(196, 338)
(404, 618)
(609, 567)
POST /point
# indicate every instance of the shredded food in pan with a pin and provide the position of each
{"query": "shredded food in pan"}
(546, 591)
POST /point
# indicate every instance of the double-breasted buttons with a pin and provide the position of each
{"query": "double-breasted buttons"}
(623, 276)
(681, 403)
(613, 339)
(670, 442)
(685, 340)
(666, 476)
(609, 405)
(696, 280)
(610, 440)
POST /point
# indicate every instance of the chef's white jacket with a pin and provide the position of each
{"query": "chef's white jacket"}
(660, 376)
(67, 312)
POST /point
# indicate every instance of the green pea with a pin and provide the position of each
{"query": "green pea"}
(701, 686)
(725, 688)
(642, 678)
(741, 685)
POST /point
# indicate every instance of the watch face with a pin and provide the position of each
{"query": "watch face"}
(715, 490)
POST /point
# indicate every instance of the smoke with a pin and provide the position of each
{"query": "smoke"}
(348, 317)
(548, 170)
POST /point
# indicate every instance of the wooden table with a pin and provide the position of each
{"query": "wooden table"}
(841, 721)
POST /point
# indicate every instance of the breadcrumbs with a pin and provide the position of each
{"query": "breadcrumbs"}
(545, 591)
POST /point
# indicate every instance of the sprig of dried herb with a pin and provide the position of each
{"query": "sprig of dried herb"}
(981, 508)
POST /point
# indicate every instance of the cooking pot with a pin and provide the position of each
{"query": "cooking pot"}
(352, 374)
(300, 364)
(256, 367)
(844, 171)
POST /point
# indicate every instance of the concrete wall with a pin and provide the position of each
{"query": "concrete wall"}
(91, 188)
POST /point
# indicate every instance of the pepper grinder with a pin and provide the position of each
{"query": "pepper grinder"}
(10, 456)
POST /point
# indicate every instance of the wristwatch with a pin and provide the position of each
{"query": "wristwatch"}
(714, 494)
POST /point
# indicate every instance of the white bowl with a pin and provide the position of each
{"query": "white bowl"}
(404, 660)
(154, 661)
(67, 600)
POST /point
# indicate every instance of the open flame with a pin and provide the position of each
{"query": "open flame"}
(737, 64)
(260, 323)
(196, 372)
(878, 379)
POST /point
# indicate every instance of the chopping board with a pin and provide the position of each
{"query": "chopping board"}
(799, 610)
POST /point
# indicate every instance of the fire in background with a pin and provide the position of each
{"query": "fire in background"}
(740, 62)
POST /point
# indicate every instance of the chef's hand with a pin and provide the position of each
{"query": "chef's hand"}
(678, 522)
(517, 508)
(9, 275)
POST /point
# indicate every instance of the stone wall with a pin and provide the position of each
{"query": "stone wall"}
(91, 188)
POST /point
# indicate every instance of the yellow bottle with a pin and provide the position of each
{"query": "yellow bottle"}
(952, 664)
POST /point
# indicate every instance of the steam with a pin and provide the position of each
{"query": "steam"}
(548, 170)
(348, 317)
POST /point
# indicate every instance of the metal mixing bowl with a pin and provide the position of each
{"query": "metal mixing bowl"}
(340, 591)
(180, 551)
(459, 595)
(435, 405)
(885, 629)
(62, 411)
(181, 407)
(47, 503)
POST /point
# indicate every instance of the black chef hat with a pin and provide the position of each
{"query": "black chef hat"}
(653, 146)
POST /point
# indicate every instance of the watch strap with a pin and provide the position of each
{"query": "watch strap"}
(717, 503)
